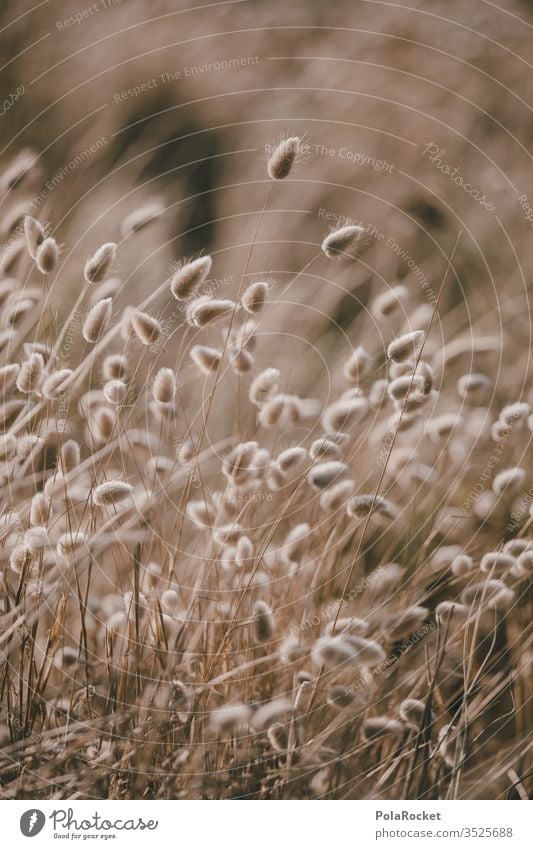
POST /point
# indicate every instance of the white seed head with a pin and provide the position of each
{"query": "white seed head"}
(69, 457)
(376, 727)
(189, 277)
(254, 296)
(40, 509)
(296, 544)
(241, 360)
(57, 383)
(336, 496)
(244, 551)
(47, 255)
(205, 310)
(509, 482)
(230, 717)
(97, 320)
(263, 625)
(405, 347)
(115, 391)
(97, 266)
(344, 414)
(111, 493)
(292, 458)
(496, 563)
(206, 359)
(34, 234)
(202, 513)
(283, 158)
(264, 386)
(326, 474)
(278, 737)
(389, 302)
(413, 713)
(140, 218)
(358, 365)
(115, 367)
(164, 386)
(461, 565)
(20, 559)
(30, 373)
(473, 385)
(146, 328)
(348, 242)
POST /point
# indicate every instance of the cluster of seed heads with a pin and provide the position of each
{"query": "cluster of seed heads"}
(241, 588)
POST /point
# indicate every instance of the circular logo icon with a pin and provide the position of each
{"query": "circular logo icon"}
(32, 822)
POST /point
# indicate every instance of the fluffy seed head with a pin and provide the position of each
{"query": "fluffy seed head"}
(462, 565)
(170, 600)
(202, 513)
(292, 458)
(262, 622)
(509, 482)
(102, 423)
(336, 496)
(381, 726)
(34, 234)
(264, 386)
(401, 626)
(140, 218)
(241, 360)
(283, 158)
(206, 359)
(325, 474)
(97, 320)
(523, 567)
(115, 391)
(146, 328)
(164, 386)
(389, 302)
(358, 365)
(254, 297)
(47, 255)
(21, 559)
(69, 457)
(492, 593)
(30, 373)
(71, 543)
(496, 563)
(57, 383)
(348, 242)
(189, 277)
(332, 651)
(40, 509)
(278, 737)
(97, 266)
(236, 465)
(205, 310)
(473, 384)
(412, 711)
(344, 414)
(27, 444)
(244, 551)
(115, 367)
(296, 544)
(229, 717)
(112, 492)
(405, 347)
